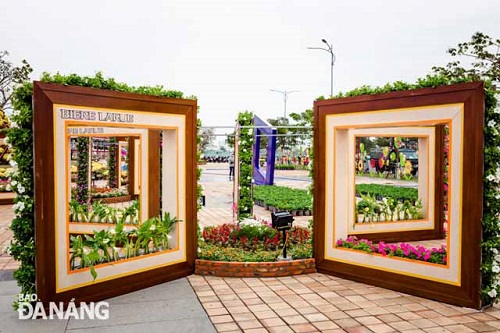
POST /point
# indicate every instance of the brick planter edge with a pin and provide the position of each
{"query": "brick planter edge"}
(254, 269)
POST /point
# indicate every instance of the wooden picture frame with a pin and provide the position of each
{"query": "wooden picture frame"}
(48, 99)
(459, 282)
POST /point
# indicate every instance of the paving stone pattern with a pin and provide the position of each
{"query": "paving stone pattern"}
(321, 303)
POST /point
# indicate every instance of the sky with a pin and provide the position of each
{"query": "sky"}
(231, 54)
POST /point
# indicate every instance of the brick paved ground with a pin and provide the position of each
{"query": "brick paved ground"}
(322, 303)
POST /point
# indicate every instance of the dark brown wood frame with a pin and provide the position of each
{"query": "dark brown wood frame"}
(45, 96)
(472, 96)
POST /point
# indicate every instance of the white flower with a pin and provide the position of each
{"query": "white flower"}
(492, 123)
(490, 178)
(13, 163)
(495, 269)
(492, 293)
(199, 250)
(497, 109)
(112, 231)
(20, 188)
(497, 196)
(8, 187)
(251, 222)
(152, 227)
(19, 206)
(13, 183)
(497, 258)
(495, 251)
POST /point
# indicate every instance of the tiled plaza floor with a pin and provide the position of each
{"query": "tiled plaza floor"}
(322, 303)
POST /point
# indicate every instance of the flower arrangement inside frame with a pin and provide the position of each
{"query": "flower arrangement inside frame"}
(436, 254)
(102, 213)
(120, 243)
(5, 183)
(388, 209)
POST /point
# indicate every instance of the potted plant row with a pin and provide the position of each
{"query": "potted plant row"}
(101, 213)
(117, 243)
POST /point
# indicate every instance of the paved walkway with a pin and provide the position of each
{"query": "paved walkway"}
(305, 303)
(322, 303)
(169, 307)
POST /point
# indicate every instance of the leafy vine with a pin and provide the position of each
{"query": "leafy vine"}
(245, 144)
(82, 182)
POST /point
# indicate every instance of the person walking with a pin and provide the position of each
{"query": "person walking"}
(231, 167)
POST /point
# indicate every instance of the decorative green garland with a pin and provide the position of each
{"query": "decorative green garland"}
(490, 264)
(245, 153)
(22, 246)
(199, 188)
(20, 136)
(113, 177)
(82, 182)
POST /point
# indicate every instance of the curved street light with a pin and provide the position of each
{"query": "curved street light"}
(329, 50)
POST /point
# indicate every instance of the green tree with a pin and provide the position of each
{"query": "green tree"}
(484, 53)
(10, 75)
(283, 140)
(305, 118)
(206, 136)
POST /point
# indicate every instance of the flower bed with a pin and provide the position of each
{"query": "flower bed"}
(107, 192)
(402, 250)
(252, 241)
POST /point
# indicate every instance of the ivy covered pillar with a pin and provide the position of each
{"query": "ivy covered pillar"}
(83, 164)
(245, 202)
(112, 162)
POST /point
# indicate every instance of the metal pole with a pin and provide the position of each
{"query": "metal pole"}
(285, 96)
(331, 76)
(329, 50)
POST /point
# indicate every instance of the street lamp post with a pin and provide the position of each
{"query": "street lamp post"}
(285, 95)
(329, 50)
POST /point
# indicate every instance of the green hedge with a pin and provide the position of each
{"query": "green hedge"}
(283, 198)
(387, 191)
